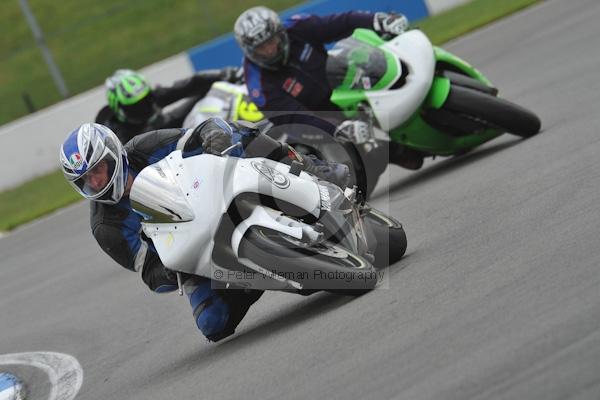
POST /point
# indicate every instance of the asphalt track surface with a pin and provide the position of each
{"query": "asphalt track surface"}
(498, 296)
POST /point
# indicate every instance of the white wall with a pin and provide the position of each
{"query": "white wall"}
(29, 146)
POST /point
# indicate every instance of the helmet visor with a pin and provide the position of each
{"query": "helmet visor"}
(97, 179)
(270, 51)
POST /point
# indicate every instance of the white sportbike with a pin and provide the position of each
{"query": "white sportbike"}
(256, 223)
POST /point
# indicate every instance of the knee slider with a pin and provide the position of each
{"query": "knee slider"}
(210, 311)
(213, 319)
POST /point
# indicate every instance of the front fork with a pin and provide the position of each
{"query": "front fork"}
(370, 143)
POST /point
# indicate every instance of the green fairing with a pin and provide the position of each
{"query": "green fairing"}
(348, 100)
(416, 133)
(419, 135)
(440, 88)
(442, 55)
(368, 36)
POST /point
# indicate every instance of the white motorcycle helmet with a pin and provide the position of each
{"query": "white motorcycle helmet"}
(90, 151)
(256, 26)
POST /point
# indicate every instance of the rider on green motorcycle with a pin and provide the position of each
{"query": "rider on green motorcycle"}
(285, 68)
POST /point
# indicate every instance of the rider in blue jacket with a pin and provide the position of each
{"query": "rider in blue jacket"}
(102, 169)
(285, 66)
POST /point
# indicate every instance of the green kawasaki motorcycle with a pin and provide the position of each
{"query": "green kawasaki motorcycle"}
(421, 96)
(424, 97)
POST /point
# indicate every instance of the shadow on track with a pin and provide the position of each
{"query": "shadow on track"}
(253, 332)
(446, 166)
(317, 304)
(309, 307)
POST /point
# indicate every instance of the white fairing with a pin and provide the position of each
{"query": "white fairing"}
(394, 107)
(208, 185)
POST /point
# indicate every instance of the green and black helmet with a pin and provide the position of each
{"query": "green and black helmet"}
(130, 97)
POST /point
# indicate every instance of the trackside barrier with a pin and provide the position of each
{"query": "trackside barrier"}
(29, 146)
(225, 51)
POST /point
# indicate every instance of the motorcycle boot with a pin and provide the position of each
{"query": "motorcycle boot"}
(239, 302)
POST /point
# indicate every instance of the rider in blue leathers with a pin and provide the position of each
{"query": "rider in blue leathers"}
(101, 169)
(285, 67)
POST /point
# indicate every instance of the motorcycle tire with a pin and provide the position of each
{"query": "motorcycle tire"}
(326, 266)
(492, 111)
(390, 237)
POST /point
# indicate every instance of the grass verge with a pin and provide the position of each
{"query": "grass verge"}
(90, 39)
(47, 193)
(33, 199)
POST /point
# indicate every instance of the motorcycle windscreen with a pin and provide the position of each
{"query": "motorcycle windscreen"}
(158, 197)
(212, 105)
(355, 65)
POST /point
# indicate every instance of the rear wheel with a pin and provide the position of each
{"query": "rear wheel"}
(326, 266)
(492, 111)
(390, 237)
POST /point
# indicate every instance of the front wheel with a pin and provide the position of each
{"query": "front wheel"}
(325, 266)
(492, 111)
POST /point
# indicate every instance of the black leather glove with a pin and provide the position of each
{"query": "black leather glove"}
(215, 139)
(389, 25)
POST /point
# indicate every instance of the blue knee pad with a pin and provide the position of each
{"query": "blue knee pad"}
(210, 311)
(166, 288)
